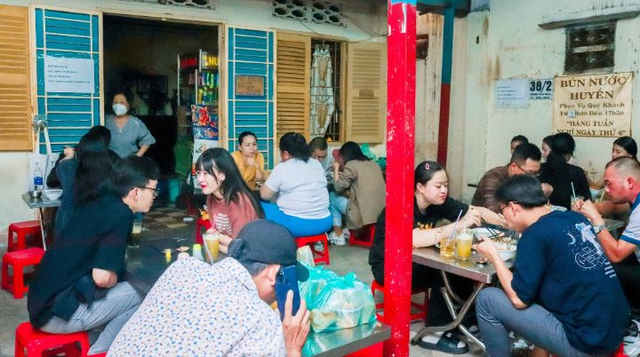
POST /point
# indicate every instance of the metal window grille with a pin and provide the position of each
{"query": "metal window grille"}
(333, 130)
(317, 11)
(590, 49)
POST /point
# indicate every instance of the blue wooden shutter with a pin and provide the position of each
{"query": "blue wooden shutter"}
(250, 53)
(67, 35)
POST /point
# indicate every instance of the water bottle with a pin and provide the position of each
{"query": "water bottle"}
(38, 180)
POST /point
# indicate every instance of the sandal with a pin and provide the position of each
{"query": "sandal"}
(447, 343)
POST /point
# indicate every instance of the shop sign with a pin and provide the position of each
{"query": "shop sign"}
(250, 86)
(512, 93)
(68, 75)
(593, 106)
(540, 89)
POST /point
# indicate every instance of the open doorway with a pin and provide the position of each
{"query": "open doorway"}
(142, 57)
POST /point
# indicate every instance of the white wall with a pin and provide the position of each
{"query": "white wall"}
(510, 44)
(364, 20)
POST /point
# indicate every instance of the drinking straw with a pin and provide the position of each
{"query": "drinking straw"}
(455, 225)
(573, 191)
(601, 196)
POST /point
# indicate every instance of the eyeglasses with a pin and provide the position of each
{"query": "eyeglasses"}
(528, 172)
(505, 206)
(156, 192)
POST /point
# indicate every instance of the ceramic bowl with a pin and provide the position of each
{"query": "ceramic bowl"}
(507, 254)
(53, 194)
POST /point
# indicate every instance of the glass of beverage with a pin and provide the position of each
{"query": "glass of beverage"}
(463, 244)
(211, 245)
(574, 199)
(447, 247)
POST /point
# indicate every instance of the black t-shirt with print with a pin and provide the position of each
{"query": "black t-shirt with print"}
(448, 210)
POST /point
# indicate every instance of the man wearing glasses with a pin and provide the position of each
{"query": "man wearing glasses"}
(562, 293)
(524, 160)
(79, 284)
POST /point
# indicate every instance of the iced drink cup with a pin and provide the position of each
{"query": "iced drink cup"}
(212, 246)
(447, 247)
(463, 245)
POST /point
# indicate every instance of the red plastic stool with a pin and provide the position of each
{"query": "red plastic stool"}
(201, 223)
(318, 256)
(20, 230)
(364, 236)
(18, 260)
(422, 308)
(38, 343)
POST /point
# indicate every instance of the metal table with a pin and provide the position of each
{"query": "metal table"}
(147, 262)
(612, 226)
(39, 204)
(481, 274)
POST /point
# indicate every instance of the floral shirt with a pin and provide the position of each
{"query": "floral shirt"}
(196, 309)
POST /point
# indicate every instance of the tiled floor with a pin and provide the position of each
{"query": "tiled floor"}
(166, 217)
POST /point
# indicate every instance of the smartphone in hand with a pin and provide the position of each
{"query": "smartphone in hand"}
(286, 280)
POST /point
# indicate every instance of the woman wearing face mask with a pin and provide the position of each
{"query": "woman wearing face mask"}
(432, 204)
(230, 203)
(249, 160)
(129, 135)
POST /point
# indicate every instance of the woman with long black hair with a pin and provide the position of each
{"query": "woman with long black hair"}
(230, 203)
(85, 177)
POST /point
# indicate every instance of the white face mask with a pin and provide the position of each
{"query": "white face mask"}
(119, 109)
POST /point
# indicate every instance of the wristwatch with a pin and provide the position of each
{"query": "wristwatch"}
(598, 228)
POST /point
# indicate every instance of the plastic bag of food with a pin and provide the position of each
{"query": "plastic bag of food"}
(344, 302)
(305, 256)
(318, 278)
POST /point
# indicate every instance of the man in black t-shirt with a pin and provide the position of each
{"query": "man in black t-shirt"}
(79, 284)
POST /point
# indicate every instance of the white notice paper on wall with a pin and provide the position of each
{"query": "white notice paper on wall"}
(512, 93)
(71, 75)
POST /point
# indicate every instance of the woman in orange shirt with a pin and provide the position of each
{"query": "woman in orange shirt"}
(249, 160)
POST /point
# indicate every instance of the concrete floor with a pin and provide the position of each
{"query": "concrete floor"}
(343, 260)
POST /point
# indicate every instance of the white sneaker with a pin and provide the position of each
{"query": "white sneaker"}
(346, 233)
(337, 239)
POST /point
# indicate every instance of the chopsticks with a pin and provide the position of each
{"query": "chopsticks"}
(494, 233)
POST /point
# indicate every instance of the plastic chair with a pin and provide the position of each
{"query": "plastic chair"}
(364, 237)
(19, 260)
(200, 224)
(19, 231)
(318, 256)
(38, 343)
(422, 308)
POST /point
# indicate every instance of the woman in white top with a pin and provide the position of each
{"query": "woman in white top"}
(302, 204)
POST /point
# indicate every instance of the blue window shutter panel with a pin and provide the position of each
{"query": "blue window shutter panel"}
(250, 53)
(73, 35)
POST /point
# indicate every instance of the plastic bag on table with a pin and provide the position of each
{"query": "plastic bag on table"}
(318, 279)
(342, 303)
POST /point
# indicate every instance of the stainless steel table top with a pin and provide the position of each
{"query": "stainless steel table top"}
(469, 269)
(41, 202)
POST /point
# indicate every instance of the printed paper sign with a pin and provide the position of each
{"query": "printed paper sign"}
(512, 93)
(540, 89)
(68, 75)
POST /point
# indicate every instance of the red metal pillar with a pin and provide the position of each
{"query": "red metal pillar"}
(401, 102)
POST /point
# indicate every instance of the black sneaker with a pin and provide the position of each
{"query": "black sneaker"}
(447, 343)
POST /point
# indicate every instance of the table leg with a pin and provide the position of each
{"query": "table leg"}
(43, 228)
(457, 316)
